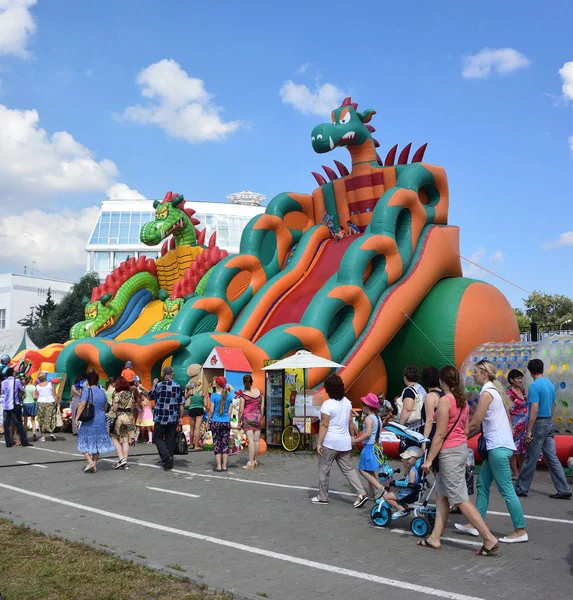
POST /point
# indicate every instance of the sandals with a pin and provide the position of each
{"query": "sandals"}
(560, 496)
(363, 498)
(425, 544)
(90, 468)
(483, 551)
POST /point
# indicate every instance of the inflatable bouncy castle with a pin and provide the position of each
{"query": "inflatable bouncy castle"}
(390, 294)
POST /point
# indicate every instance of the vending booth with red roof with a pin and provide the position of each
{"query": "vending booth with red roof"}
(229, 362)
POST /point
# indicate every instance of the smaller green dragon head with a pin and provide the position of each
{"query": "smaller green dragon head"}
(99, 315)
(346, 129)
(171, 308)
(170, 219)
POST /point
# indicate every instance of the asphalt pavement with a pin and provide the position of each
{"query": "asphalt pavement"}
(256, 534)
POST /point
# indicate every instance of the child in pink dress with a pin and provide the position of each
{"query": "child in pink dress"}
(145, 421)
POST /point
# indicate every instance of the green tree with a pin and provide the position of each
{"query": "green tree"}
(549, 311)
(50, 323)
(38, 321)
(523, 320)
(71, 309)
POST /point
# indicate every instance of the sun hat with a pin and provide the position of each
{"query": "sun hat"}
(412, 452)
(370, 400)
(220, 381)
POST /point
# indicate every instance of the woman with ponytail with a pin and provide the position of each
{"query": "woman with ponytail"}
(450, 447)
(491, 416)
(220, 420)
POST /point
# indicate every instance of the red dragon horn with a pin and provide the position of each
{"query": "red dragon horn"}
(370, 128)
(403, 158)
(341, 168)
(419, 153)
(347, 101)
(319, 178)
(389, 161)
(379, 160)
(330, 173)
(201, 236)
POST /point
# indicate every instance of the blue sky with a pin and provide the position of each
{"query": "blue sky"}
(134, 82)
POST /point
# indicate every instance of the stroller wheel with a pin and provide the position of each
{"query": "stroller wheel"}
(380, 515)
(419, 527)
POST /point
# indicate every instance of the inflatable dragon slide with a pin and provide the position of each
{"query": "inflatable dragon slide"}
(359, 301)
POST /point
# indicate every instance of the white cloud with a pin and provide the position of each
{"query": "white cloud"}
(570, 140)
(303, 68)
(36, 166)
(471, 270)
(120, 191)
(566, 73)
(55, 241)
(17, 26)
(497, 256)
(565, 239)
(320, 102)
(179, 104)
(501, 61)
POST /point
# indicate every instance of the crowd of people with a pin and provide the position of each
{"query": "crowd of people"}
(122, 413)
(516, 428)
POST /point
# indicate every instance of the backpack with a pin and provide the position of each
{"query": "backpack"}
(416, 414)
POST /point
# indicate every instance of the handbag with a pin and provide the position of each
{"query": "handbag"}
(88, 413)
(482, 447)
(436, 461)
(378, 448)
(59, 420)
(416, 414)
(180, 443)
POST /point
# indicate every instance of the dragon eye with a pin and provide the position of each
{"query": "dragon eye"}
(345, 119)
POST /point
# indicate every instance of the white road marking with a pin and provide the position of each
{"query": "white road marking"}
(395, 583)
(172, 492)
(23, 462)
(534, 518)
(280, 485)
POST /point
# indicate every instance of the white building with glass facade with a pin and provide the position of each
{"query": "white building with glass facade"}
(115, 236)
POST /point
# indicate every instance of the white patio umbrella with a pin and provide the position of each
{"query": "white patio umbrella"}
(303, 359)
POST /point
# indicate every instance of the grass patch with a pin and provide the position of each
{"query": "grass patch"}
(37, 566)
(176, 567)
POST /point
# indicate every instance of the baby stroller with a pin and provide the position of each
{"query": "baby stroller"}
(424, 513)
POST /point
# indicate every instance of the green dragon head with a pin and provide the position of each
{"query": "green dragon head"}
(171, 308)
(346, 129)
(99, 315)
(170, 219)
